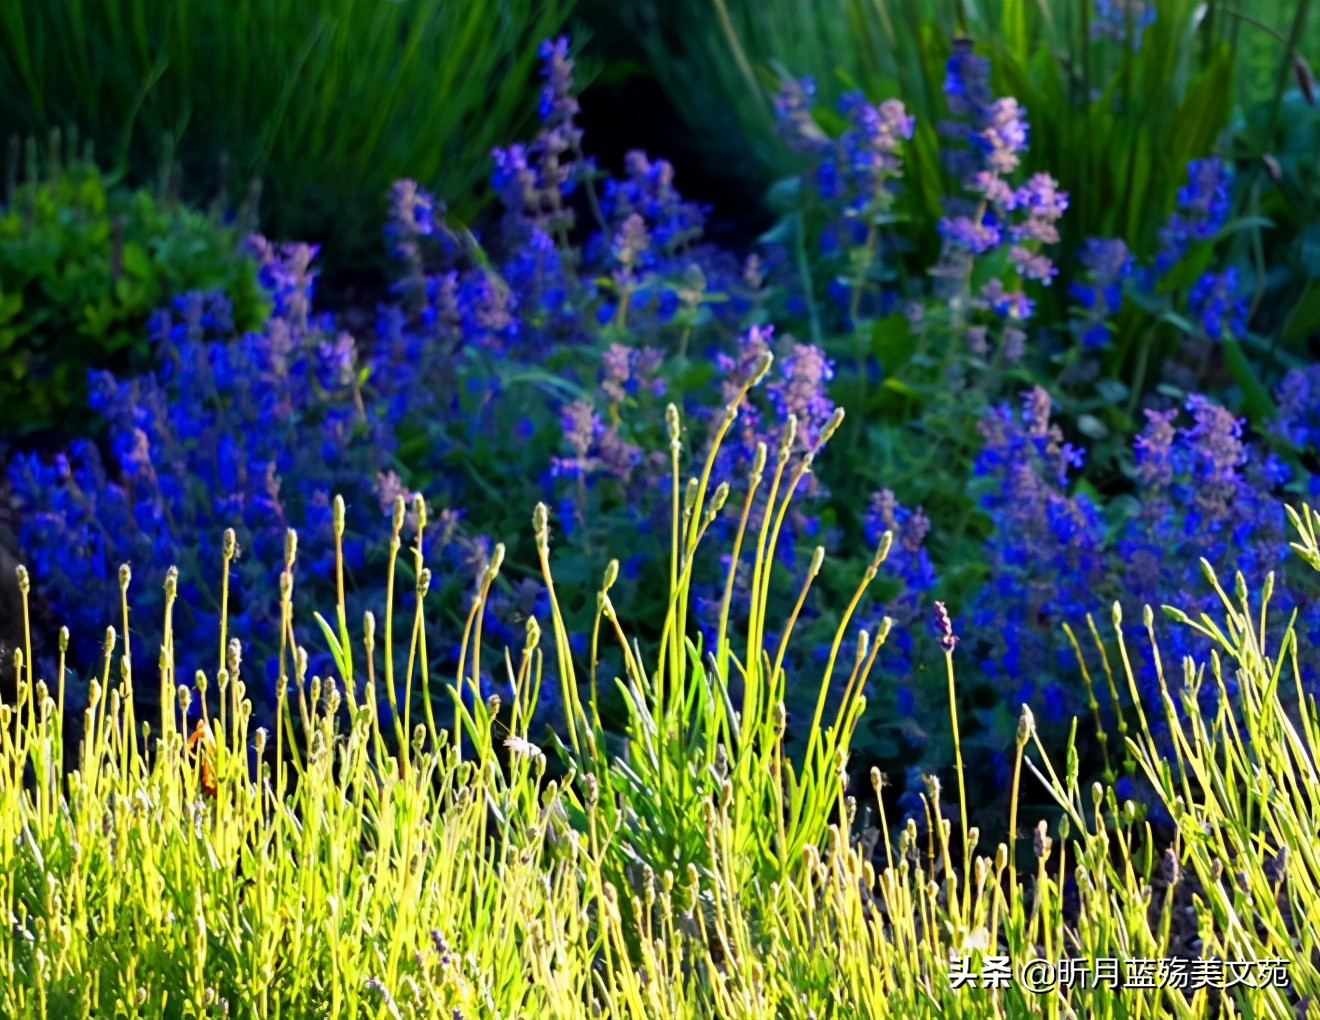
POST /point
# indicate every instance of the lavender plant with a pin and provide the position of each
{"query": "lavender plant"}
(537, 363)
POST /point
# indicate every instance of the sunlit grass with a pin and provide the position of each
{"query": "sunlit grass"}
(351, 866)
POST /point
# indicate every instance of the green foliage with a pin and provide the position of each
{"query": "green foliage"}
(327, 103)
(83, 264)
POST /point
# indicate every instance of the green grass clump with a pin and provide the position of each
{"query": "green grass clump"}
(349, 866)
(327, 103)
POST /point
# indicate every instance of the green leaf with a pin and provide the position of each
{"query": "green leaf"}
(1302, 321)
(1255, 397)
(1240, 223)
(785, 195)
(892, 342)
(336, 650)
(136, 262)
(1092, 427)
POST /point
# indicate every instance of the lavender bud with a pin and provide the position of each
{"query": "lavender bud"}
(758, 460)
(831, 427)
(1169, 870)
(1041, 842)
(1277, 869)
(882, 550)
(496, 561)
(789, 437)
(719, 499)
(948, 640)
(1026, 726)
(337, 516)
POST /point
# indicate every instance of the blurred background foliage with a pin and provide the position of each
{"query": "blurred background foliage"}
(1116, 125)
(326, 103)
(1114, 113)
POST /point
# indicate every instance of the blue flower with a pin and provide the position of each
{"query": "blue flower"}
(1216, 302)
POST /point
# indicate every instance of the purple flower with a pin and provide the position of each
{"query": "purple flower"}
(1004, 136)
(1298, 399)
(1203, 208)
(944, 627)
(976, 237)
(801, 390)
(1114, 19)
(793, 117)
(1216, 303)
(967, 81)
(1106, 263)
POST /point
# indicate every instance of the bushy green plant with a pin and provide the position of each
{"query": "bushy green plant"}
(328, 104)
(83, 264)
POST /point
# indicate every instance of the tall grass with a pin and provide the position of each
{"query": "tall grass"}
(325, 102)
(379, 868)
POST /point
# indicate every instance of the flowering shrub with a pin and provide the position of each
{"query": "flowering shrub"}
(204, 443)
